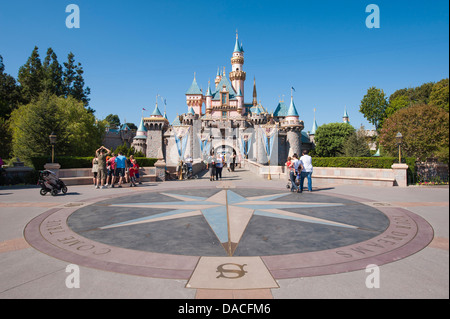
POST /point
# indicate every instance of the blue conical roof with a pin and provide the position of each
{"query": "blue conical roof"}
(156, 112)
(292, 111)
(142, 127)
(194, 89)
(345, 112)
(314, 127)
(238, 47)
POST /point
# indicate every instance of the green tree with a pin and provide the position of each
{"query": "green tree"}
(73, 81)
(440, 95)
(78, 132)
(9, 92)
(373, 107)
(5, 139)
(425, 130)
(30, 77)
(113, 120)
(400, 102)
(131, 126)
(330, 139)
(356, 145)
(52, 81)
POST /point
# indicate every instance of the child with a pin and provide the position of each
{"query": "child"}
(134, 170)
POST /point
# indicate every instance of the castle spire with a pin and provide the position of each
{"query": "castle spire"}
(255, 101)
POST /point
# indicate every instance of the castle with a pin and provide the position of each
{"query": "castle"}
(221, 121)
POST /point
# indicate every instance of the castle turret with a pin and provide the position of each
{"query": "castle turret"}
(293, 127)
(237, 75)
(292, 114)
(156, 124)
(194, 97)
(140, 140)
(218, 77)
(208, 100)
(255, 99)
(345, 117)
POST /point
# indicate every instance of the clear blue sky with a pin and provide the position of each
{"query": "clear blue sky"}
(133, 50)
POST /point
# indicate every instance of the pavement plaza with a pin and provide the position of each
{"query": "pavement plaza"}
(242, 237)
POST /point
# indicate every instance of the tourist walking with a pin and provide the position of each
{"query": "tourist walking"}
(293, 172)
(298, 169)
(290, 172)
(307, 170)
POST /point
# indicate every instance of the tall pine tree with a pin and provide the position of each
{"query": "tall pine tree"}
(52, 74)
(73, 81)
(9, 92)
(30, 77)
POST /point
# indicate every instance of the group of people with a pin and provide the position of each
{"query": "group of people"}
(299, 169)
(109, 169)
(215, 165)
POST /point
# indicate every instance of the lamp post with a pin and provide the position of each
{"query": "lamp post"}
(399, 138)
(52, 138)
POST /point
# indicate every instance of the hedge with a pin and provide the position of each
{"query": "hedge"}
(360, 162)
(365, 162)
(82, 162)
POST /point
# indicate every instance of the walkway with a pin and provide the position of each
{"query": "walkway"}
(234, 238)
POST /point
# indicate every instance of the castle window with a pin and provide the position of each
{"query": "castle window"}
(224, 98)
(224, 114)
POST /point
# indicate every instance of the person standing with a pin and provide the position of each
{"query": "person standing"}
(233, 161)
(219, 167)
(101, 154)
(121, 164)
(290, 171)
(95, 170)
(294, 172)
(211, 166)
(111, 170)
(307, 170)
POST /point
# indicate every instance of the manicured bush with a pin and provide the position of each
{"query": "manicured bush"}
(365, 162)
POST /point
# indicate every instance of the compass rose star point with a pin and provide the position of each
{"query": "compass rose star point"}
(227, 212)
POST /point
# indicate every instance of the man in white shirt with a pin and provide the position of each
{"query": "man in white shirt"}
(307, 169)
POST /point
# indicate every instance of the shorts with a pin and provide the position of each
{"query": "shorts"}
(120, 171)
(101, 173)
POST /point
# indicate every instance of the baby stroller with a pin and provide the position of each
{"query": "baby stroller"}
(50, 183)
(188, 171)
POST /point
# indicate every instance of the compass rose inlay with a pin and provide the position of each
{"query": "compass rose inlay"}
(165, 233)
(227, 213)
